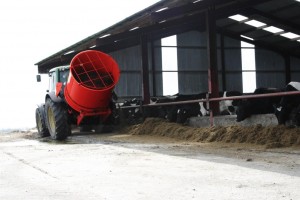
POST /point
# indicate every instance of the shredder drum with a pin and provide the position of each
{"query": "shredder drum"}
(93, 76)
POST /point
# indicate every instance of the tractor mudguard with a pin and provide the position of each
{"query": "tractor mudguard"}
(53, 97)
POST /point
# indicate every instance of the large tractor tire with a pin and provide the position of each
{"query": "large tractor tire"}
(41, 122)
(57, 120)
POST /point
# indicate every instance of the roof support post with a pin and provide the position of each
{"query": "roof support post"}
(145, 69)
(213, 85)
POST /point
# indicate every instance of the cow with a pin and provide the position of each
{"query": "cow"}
(158, 111)
(264, 105)
(131, 115)
(289, 106)
(171, 112)
(180, 113)
(226, 107)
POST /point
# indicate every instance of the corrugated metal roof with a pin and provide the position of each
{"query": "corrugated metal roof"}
(169, 17)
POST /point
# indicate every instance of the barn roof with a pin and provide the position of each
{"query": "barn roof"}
(270, 24)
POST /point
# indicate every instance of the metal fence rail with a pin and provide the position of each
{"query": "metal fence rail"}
(207, 100)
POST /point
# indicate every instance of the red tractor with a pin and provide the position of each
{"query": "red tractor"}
(79, 94)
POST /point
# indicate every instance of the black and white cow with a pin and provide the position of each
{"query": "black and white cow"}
(176, 113)
(264, 105)
(171, 112)
(226, 107)
(158, 111)
(289, 106)
(182, 112)
(131, 115)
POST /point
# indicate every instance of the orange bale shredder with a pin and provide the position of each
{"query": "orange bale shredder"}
(93, 76)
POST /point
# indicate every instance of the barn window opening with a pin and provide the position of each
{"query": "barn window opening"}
(248, 38)
(197, 1)
(290, 35)
(264, 26)
(273, 29)
(248, 67)
(165, 8)
(134, 28)
(103, 36)
(169, 65)
(69, 52)
(238, 18)
(255, 23)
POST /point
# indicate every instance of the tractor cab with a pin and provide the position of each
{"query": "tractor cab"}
(58, 75)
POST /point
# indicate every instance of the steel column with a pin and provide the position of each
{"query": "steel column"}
(145, 70)
(213, 85)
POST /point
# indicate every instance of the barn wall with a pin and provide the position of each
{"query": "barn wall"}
(295, 69)
(270, 69)
(129, 60)
(192, 62)
(193, 65)
(233, 64)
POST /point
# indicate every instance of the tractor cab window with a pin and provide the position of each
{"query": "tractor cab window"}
(63, 76)
(52, 81)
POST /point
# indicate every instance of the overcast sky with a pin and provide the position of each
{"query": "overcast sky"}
(32, 30)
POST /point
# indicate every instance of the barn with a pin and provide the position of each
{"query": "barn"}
(197, 46)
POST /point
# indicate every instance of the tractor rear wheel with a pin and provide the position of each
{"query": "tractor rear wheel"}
(40, 122)
(57, 120)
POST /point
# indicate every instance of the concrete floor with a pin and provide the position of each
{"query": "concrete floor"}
(142, 167)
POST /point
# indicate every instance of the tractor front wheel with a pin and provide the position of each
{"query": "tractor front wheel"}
(57, 120)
